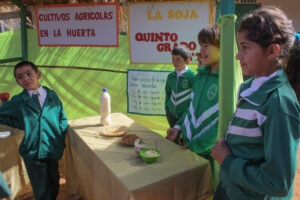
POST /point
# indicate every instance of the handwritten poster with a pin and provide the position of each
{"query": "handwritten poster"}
(156, 28)
(146, 92)
(78, 25)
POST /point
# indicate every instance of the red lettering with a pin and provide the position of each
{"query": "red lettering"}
(167, 35)
(57, 33)
(41, 17)
(156, 37)
(110, 14)
(160, 47)
(139, 37)
(54, 17)
(67, 16)
(174, 37)
(164, 47)
(184, 44)
(43, 33)
(175, 45)
(92, 16)
(145, 37)
(192, 46)
(81, 33)
(105, 15)
(168, 47)
(93, 33)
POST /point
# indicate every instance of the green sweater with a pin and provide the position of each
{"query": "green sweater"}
(178, 92)
(263, 137)
(199, 125)
(45, 129)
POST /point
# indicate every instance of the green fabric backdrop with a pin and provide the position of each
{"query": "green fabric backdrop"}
(79, 89)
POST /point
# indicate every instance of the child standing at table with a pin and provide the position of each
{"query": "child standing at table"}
(258, 157)
(39, 112)
(199, 126)
(179, 84)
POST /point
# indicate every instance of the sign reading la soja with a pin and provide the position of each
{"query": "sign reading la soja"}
(78, 25)
(156, 28)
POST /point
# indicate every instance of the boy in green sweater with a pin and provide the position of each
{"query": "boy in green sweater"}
(179, 85)
(38, 111)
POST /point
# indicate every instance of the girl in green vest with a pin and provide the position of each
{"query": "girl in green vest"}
(258, 156)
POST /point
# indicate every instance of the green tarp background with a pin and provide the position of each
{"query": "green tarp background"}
(73, 72)
(80, 89)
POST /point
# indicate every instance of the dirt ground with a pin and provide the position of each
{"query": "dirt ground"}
(297, 180)
(64, 196)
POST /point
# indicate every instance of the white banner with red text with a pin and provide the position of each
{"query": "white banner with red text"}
(156, 28)
(78, 25)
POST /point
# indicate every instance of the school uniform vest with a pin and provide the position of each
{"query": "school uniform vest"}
(200, 123)
(178, 92)
(263, 137)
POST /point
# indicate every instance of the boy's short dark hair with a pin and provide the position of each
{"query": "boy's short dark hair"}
(210, 35)
(23, 63)
(182, 51)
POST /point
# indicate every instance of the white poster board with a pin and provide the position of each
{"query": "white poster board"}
(156, 28)
(146, 92)
(78, 25)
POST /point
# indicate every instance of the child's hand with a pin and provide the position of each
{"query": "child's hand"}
(220, 151)
(184, 147)
(172, 133)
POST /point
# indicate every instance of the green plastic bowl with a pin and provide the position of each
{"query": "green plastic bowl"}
(149, 159)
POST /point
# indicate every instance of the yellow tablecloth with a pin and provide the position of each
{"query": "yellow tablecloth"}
(11, 163)
(99, 167)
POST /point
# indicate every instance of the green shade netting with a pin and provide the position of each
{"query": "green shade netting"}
(79, 89)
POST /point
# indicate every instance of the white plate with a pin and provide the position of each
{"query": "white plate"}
(4, 134)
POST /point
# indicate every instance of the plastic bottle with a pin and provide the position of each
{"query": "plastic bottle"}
(105, 107)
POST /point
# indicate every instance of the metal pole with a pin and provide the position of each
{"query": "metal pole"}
(227, 7)
(23, 28)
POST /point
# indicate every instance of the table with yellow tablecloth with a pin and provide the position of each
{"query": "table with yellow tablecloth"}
(99, 167)
(11, 163)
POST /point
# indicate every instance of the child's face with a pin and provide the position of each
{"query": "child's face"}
(178, 62)
(27, 78)
(251, 56)
(210, 54)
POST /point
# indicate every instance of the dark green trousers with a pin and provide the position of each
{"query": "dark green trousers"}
(44, 178)
(220, 193)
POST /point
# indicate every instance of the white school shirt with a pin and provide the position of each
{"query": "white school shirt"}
(179, 73)
(42, 94)
(256, 83)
